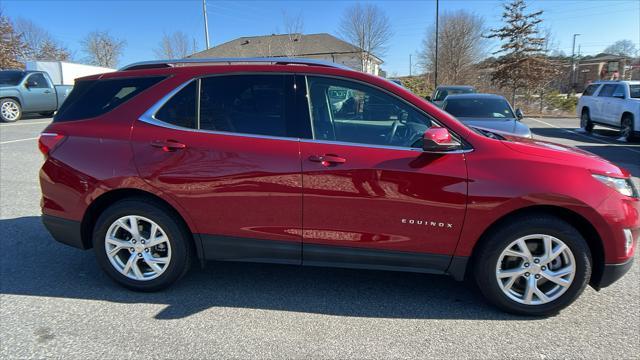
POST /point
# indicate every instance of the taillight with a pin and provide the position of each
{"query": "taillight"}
(48, 141)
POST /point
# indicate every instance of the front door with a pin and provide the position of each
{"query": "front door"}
(234, 166)
(41, 95)
(372, 198)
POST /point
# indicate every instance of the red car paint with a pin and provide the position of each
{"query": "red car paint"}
(341, 195)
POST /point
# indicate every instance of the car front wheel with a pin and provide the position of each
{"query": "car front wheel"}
(140, 245)
(534, 266)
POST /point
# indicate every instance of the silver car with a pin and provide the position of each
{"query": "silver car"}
(486, 111)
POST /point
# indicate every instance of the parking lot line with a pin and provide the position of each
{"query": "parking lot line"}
(18, 140)
(585, 136)
(25, 123)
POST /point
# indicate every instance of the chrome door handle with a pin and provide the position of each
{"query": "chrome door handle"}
(328, 159)
(168, 145)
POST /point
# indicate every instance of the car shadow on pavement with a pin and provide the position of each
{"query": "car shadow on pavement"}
(601, 135)
(33, 264)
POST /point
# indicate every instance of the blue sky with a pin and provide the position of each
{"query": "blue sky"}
(142, 23)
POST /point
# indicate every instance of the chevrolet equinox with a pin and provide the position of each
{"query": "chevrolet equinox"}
(295, 161)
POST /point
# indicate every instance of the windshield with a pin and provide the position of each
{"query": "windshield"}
(11, 77)
(443, 93)
(479, 108)
(635, 91)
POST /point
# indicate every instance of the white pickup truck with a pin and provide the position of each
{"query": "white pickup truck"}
(614, 104)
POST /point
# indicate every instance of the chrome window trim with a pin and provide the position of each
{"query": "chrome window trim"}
(386, 147)
(149, 118)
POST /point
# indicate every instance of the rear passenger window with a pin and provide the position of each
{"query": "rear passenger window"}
(248, 104)
(590, 90)
(91, 98)
(180, 110)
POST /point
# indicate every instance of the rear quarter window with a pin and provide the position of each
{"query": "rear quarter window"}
(590, 90)
(91, 98)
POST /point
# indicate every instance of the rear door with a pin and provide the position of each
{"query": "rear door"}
(40, 94)
(604, 104)
(372, 198)
(616, 104)
(226, 149)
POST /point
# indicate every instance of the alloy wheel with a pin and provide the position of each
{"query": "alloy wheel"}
(535, 269)
(10, 110)
(137, 247)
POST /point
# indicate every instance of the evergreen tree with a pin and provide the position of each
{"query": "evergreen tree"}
(523, 64)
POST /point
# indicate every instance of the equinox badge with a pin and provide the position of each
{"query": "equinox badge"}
(428, 223)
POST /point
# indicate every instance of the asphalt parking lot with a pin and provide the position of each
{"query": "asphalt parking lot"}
(55, 301)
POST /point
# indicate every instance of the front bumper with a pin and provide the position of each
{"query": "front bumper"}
(611, 273)
(65, 231)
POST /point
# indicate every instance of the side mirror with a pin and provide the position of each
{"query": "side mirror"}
(30, 84)
(519, 114)
(428, 98)
(438, 140)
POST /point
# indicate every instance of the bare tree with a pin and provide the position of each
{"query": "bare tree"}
(40, 44)
(174, 46)
(368, 28)
(293, 27)
(622, 48)
(102, 49)
(460, 47)
(12, 46)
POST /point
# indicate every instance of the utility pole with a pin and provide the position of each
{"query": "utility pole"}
(435, 76)
(410, 64)
(573, 62)
(206, 24)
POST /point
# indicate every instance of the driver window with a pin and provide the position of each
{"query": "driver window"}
(38, 81)
(351, 112)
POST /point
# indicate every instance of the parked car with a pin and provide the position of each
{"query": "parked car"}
(488, 111)
(613, 104)
(29, 92)
(442, 92)
(157, 164)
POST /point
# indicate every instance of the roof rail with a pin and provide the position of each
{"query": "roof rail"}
(229, 61)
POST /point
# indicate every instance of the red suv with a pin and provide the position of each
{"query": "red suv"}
(302, 162)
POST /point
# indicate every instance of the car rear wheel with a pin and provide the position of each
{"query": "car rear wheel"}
(10, 110)
(626, 128)
(140, 245)
(585, 121)
(534, 266)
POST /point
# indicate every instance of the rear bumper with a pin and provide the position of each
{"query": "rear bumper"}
(613, 272)
(65, 231)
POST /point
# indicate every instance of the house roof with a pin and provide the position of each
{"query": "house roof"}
(281, 45)
(602, 57)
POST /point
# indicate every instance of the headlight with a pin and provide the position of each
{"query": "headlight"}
(623, 186)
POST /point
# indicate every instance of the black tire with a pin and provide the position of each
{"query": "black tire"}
(14, 104)
(487, 256)
(47, 114)
(626, 128)
(179, 238)
(585, 121)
